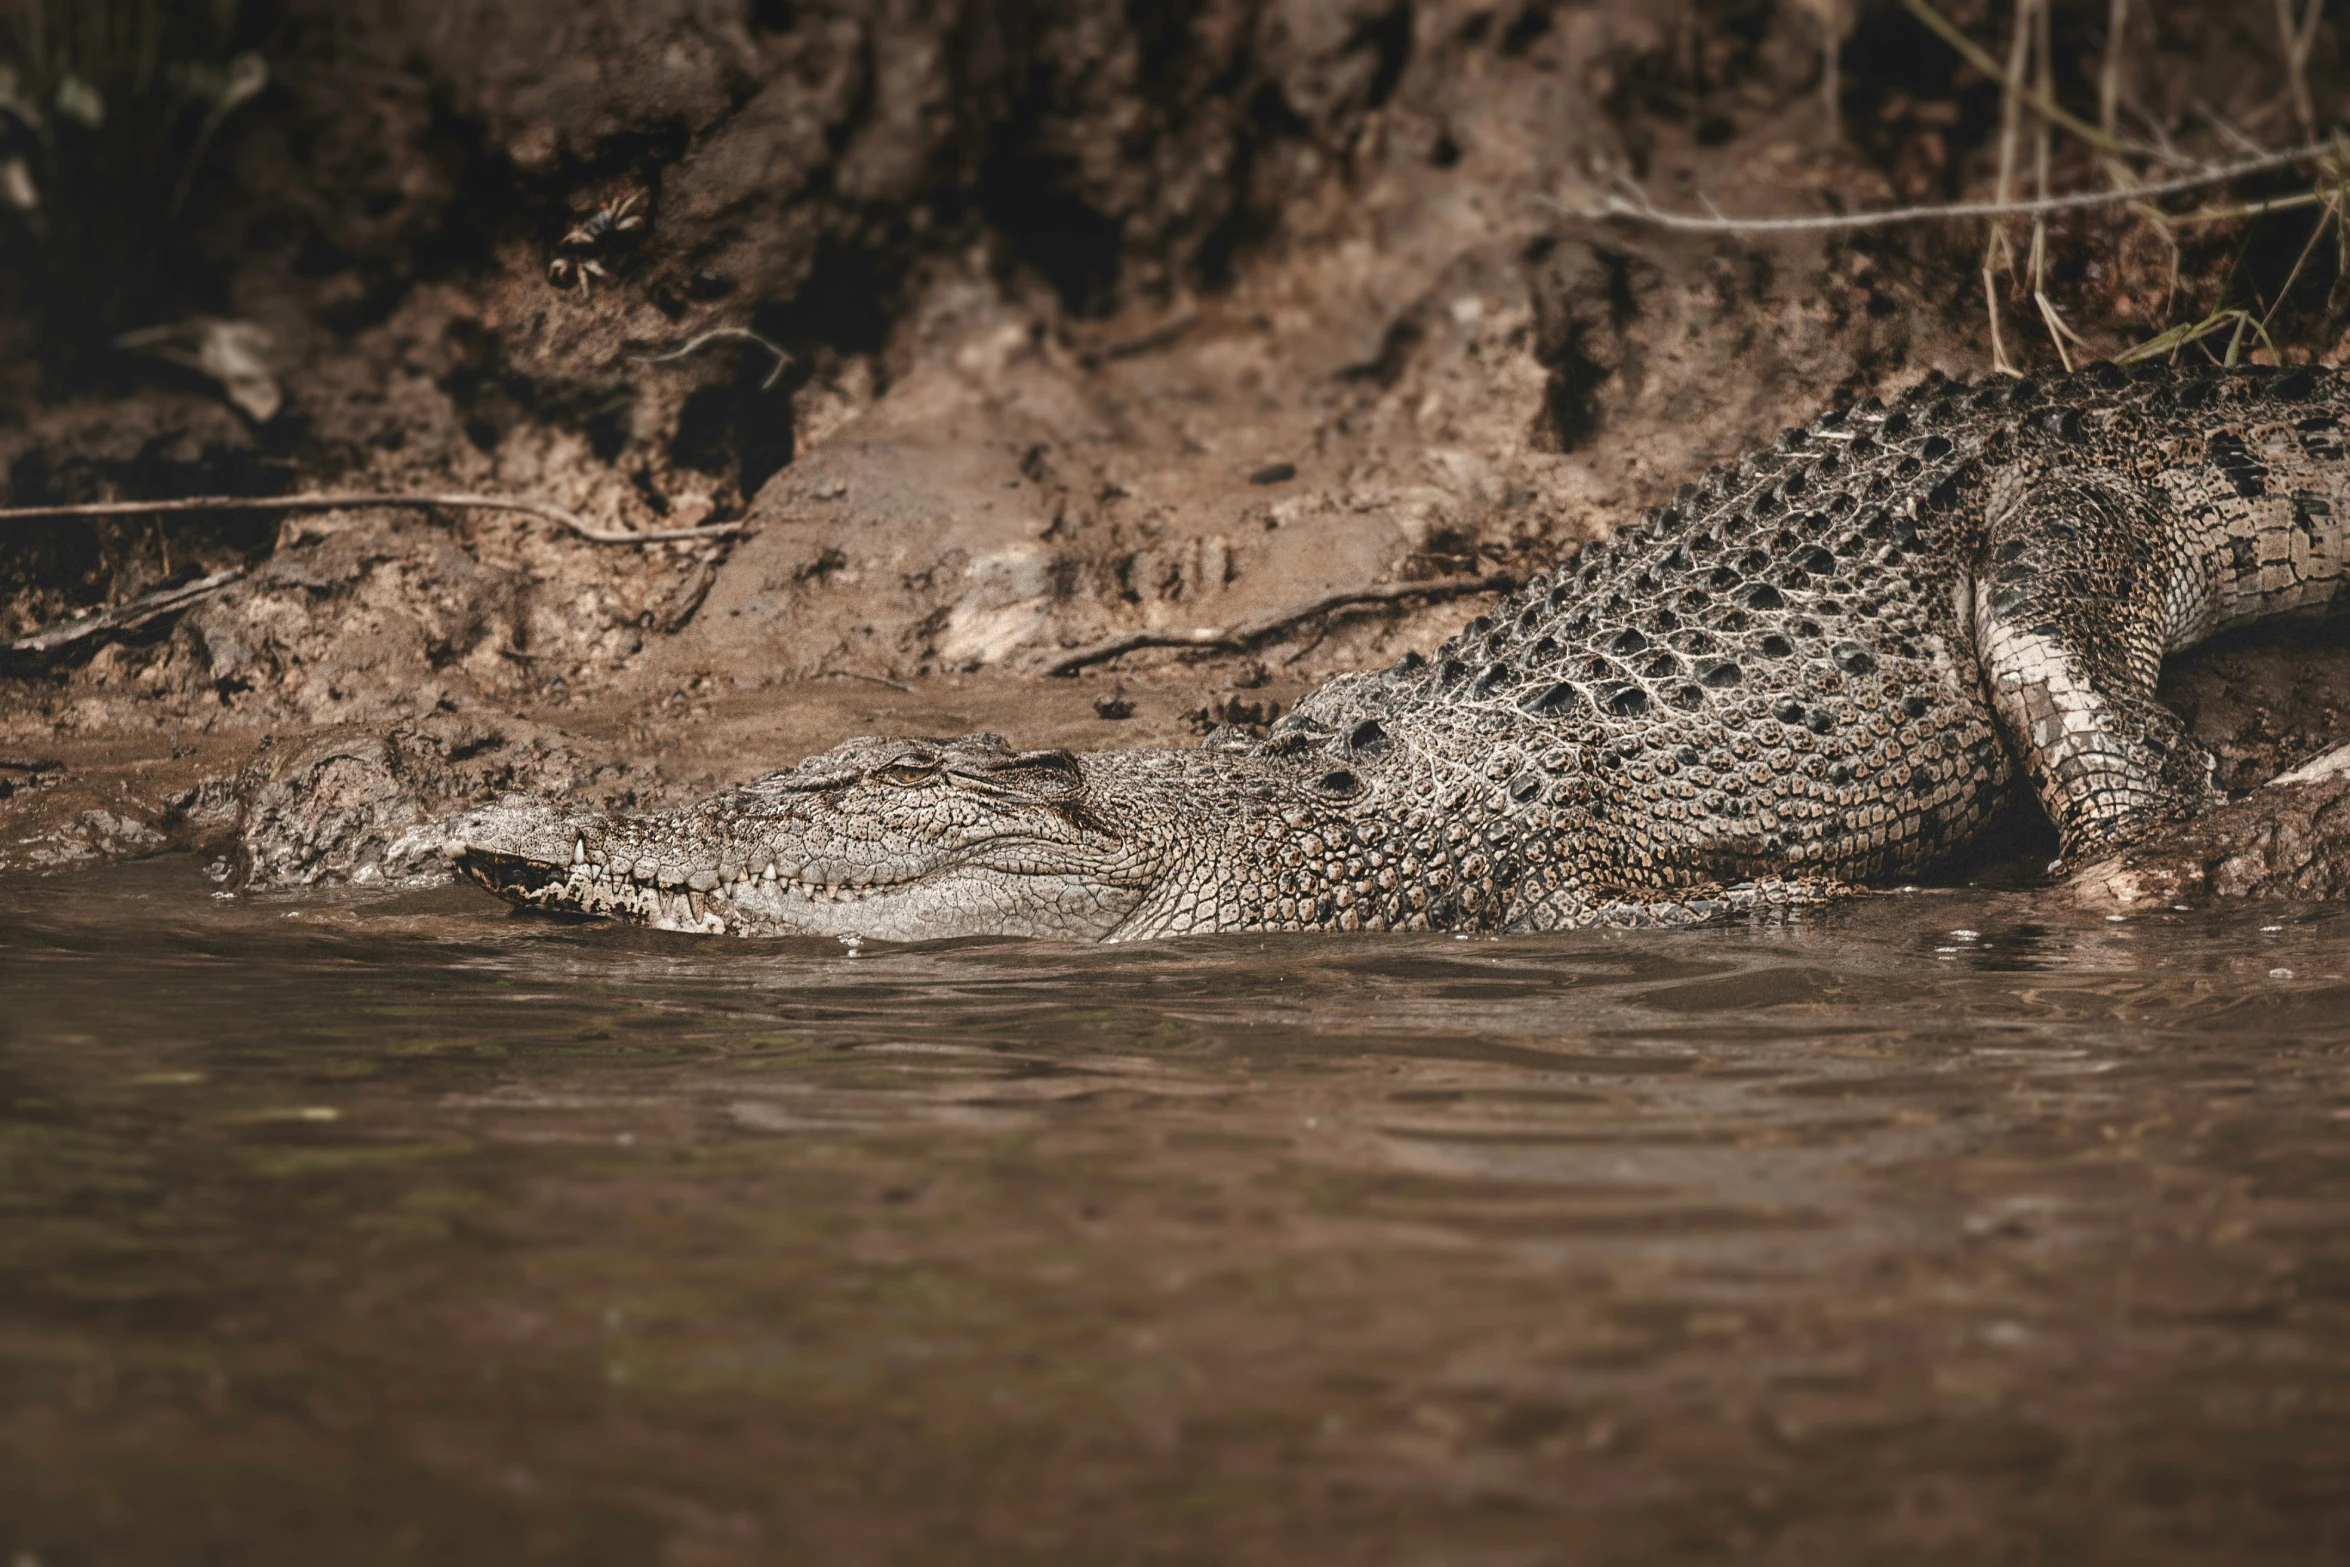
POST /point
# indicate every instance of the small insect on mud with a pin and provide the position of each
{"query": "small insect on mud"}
(593, 234)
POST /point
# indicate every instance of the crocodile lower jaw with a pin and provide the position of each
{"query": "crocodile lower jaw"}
(594, 891)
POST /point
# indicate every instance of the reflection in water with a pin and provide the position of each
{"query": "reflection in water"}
(404, 1230)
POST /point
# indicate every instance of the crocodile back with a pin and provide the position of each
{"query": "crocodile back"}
(1775, 672)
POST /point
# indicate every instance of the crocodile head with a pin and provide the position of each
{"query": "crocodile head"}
(889, 839)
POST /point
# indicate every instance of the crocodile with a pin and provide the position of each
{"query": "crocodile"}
(1821, 669)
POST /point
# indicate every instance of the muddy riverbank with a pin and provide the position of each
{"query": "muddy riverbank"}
(995, 333)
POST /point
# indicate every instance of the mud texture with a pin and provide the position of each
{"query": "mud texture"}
(364, 804)
(999, 329)
(2289, 840)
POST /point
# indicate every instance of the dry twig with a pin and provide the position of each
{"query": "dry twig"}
(2296, 39)
(2240, 209)
(2041, 103)
(2331, 217)
(1235, 639)
(2109, 70)
(1646, 211)
(1997, 258)
(1834, 19)
(2059, 332)
(125, 617)
(371, 499)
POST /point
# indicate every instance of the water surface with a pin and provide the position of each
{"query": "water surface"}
(1950, 1227)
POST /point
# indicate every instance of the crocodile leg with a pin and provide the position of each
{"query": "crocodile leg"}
(2082, 591)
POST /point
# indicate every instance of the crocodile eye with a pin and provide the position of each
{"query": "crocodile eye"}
(907, 771)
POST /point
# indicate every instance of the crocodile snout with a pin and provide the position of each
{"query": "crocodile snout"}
(516, 830)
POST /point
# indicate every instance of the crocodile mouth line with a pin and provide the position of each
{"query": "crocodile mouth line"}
(700, 901)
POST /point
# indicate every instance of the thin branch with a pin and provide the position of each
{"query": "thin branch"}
(2332, 214)
(1833, 25)
(2058, 331)
(2296, 39)
(370, 499)
(742, 334)
(2157, 129)
(2242, 209)
(1997, 256)
(2043, 105)
(137, 612)
(1235, 639)
(2166, 229)
(2061, 330)
(2109, 70)
(2226, 129)
(2000, 363)
(2012, 91)
(2109, 85)
(1648, 212)
(2310, 15)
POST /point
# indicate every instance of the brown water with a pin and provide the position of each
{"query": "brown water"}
(407, 1231)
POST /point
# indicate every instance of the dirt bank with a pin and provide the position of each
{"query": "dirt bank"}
(998, 330)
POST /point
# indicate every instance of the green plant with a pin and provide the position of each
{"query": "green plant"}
(107, 108)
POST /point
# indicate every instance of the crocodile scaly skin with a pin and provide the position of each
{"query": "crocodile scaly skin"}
(1821, 668)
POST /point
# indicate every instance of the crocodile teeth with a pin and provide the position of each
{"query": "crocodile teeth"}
(769, 873)
(579, 851)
